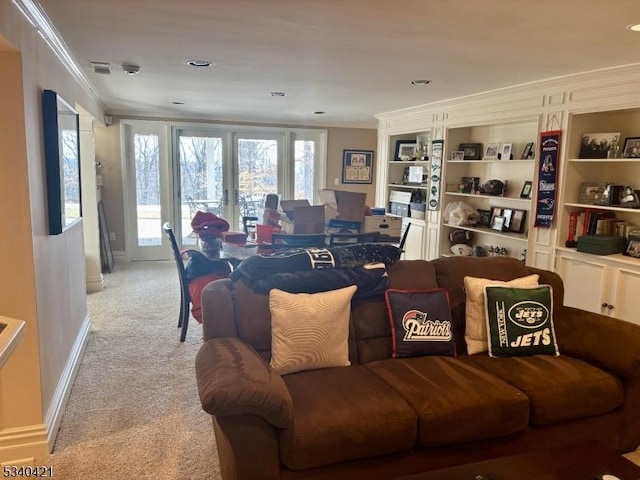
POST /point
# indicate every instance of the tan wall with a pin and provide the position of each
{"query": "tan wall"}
(44, 279)
(350, 139)
(108, 153)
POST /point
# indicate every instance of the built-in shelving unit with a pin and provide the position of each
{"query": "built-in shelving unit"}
(513, 172)
(600, 283)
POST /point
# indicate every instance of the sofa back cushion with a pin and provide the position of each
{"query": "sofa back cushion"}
(370, 319)
(450, 273)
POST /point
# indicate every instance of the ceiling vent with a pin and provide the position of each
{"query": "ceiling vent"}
(101, 67)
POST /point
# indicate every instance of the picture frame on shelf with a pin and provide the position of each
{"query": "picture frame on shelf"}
(457, 155)
(498, 223)
(495, 212)
(631, 147)
(357, 166)
(505, 151)
(472, 151)
(491, 151)
(405, 150)
(633, 249)
(528, 151)
(485, 218)
(517, 223)
(596, 145)
(423, 146)
(507, 213)
(526, 189)
(592, 193)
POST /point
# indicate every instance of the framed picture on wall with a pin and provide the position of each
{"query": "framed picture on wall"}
(357, 166)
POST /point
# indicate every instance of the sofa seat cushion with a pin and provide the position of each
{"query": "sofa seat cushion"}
(559, 388)
(343, 413)
(455, 401)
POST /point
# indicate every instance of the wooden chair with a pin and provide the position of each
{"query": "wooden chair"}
(350, 238)
(284, 241)
(193, 281)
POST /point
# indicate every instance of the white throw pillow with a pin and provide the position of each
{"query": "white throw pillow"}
(310, 330)
(476, 326)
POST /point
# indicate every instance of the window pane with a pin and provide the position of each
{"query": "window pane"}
(147, 166)
(304, 157)
(200, 180)
(257, 173)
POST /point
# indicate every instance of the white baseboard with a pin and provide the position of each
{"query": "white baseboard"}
(95, 284)
(59, 401)
(22, 443)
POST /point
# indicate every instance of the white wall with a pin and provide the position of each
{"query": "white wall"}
(43, 281)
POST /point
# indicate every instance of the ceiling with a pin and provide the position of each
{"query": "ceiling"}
(349, 58)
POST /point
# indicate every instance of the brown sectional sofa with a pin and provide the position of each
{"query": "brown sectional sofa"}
(382, 418)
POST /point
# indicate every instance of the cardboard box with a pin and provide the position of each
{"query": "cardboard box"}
(343, 205)
(385, 224)
(301, 217)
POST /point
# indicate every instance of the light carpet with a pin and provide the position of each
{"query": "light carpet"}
(134, 410)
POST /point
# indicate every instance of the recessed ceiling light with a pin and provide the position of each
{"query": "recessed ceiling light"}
(199, 63)
(319, 112)
(177, 103)
(635, 27)
(277, 94)
(420, 82)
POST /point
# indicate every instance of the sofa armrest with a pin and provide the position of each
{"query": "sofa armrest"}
(606, 342)
(234, 380)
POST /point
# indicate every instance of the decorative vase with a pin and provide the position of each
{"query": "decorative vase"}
(210, 246)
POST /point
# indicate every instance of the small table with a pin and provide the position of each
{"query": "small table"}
(581, 461)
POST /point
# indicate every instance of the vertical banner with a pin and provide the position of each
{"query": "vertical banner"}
(437, 147)
(547, 177)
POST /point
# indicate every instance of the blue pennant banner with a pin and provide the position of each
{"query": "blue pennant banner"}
(547, 177)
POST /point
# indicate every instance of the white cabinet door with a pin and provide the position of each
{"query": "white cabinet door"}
(624, 300)
(585, 283)
(414, 246)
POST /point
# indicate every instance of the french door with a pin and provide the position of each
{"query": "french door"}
(171, 173)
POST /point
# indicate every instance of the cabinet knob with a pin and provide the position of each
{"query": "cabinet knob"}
(605, 305)
(610, 307)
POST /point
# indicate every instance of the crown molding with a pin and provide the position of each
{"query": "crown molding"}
(41, 23)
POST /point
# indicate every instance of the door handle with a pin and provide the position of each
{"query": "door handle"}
(225, 197)
(237, 195)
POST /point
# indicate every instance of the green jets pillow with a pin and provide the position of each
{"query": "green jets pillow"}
(519, 321)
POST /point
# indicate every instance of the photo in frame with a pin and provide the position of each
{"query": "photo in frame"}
(472, 151)
(357, 166)
(596, 145)
(495, 212)
(405, 150)
(491, 151)
(633, 249)
(631, 147)
(528, 151)
(457, 155)
(526, 189)
(505, 151)
(497, 223)
(517, 223)
(485, 218)
(507, 213)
